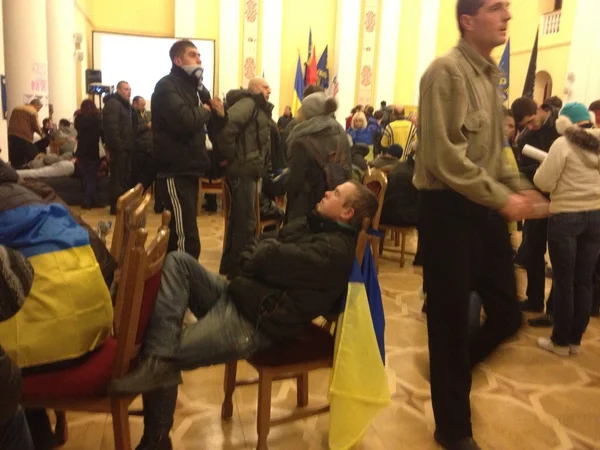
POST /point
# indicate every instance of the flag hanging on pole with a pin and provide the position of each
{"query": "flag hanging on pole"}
(308, 57)
(322, 70)
(529, 87)
(505, 67)
(311, 70)
(298, 88)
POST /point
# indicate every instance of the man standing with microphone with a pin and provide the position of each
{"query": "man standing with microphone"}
(182, 111)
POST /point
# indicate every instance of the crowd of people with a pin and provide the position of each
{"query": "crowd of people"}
(458, 170)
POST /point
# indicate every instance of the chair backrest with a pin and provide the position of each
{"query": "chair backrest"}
(362, 240)
(376, 181)
(139, 286)
(125, 204)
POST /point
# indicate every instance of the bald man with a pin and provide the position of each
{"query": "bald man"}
(245, 143)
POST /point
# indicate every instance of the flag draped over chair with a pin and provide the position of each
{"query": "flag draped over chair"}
(358, 387)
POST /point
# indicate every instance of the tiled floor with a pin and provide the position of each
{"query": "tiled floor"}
(522, 397)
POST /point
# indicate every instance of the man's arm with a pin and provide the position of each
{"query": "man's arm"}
(548, 174)
(110, 122)
(181, 117)
(237, 116)
(35, 125)
(443, 146)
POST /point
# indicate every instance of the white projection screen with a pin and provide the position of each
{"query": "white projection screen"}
(143, 60)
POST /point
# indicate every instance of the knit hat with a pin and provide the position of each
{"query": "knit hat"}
(16, 278)
(571, 114)
(318, 104)
(577, 112)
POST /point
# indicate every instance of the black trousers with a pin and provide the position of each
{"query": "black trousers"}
(180, 196)
(535, 233)
(120, 177)
(20, 151)
(466, 247)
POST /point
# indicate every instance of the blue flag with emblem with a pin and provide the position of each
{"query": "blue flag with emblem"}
(322, 70)
(505, 67)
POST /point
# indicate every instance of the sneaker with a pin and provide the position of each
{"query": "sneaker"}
(151, 373)
(467, 443)
(547, 344)
(155, 443)
(574, 349)
(542, 321)
(527, 306)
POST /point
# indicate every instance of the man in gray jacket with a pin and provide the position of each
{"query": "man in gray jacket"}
(245, 144)
(467, 194)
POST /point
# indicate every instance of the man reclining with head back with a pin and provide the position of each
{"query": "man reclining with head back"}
(284, 284)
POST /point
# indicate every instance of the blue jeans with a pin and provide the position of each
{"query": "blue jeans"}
(14, 434)
(221, 334)
(574, 244)
(242, 221)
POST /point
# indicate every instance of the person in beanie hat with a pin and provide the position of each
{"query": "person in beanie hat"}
(319, 157)
(571, 174)
(16, 278)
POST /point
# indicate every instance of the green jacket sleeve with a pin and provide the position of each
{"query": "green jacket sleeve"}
(237, 117)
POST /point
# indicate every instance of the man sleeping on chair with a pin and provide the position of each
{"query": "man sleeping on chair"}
(285, 283)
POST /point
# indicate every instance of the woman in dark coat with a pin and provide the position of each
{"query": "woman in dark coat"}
(88, 123)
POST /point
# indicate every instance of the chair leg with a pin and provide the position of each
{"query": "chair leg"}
(120, 419)
(402, 249)
(61, 430)
(302, 389)
(229, 387)
(263, 422)
(200, 199)
(381, 243)
(397, 238)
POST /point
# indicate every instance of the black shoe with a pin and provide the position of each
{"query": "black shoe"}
(541, 321)
(467, 443)
(155, 443)
(528, 307)
(152, 373)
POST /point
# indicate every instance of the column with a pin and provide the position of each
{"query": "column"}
(346, 55)
(369, 25)
(584, 65)
(3, 122)
(60, 23)
(185, 19)
(272, 19)
(250, 41)
(426, 41)
(25, 52)
(387, 51)
(229, 46)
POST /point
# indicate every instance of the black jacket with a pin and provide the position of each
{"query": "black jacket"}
(288, 281)
(143, 138)
(401, 200)
(179, 126)
(542, 139)
(89, 133)
(119, 124)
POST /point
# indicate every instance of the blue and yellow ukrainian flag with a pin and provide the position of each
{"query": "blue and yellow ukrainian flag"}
(68, 311)
(358, 387)
(298, 88)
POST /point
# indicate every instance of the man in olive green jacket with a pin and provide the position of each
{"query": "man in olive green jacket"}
(467, 193)
(245, 144)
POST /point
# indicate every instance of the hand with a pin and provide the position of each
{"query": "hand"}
(206, 106)
(149, 125)
(217, 105)
(539, 203)
(517, 207)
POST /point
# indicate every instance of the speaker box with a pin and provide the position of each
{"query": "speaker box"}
(92, 76)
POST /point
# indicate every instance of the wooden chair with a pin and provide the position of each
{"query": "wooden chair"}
(125, 204)
(83, 387)
(208, 186)
(399, 235)
(294, 359)
(376, 181)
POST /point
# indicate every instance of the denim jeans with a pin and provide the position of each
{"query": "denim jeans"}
(221, 334)
(14, 434)
(242, 221)
(574, 243)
